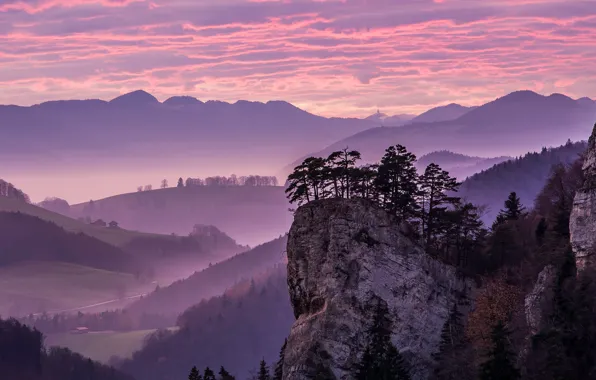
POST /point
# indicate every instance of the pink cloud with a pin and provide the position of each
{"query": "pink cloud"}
(332, 57)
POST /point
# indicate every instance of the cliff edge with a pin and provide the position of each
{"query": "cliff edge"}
(344, 255)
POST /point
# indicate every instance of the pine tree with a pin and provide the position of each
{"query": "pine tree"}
(341, 166)
(499, 365)
(194, 374)
(381, 359)
(209, 374)
(180, 182)
(263, 371)
(448, 365)
(435, 184)
(396, 182)
(278, 372)
(225, 375)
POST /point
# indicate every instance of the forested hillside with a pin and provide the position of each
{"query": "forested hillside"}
(525, 175)
(213, 280)
(236, 330)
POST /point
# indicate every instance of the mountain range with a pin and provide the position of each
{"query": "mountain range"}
(510, 125)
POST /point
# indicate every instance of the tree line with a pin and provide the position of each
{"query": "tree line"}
(8, 190)
(232, 180)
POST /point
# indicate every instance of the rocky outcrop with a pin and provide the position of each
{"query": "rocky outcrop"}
(537, 300)
(345, 255)
(582, 223)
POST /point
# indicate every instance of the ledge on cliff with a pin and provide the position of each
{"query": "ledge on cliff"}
(345, 254)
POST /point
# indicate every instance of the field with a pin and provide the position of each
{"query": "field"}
(30, 287)
(101, 346)
(114, 236)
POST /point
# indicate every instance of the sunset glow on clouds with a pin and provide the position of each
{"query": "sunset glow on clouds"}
(331, 57)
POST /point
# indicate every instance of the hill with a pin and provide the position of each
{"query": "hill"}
(250, 214)
(213, 280)
(511, 125)
(443, 113)
(235, 330)
(27, 238)
(525, 175)
(458, 165)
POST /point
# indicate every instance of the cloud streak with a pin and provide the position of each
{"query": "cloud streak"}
(336, 58)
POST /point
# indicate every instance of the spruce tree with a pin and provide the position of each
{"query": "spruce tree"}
(448, 365)
(513, 209)
(225, 375)
(194, 374)
(381, 359)
(180, 182)
(209, 374)
(278, 372)
(499, 364)
(263, 371)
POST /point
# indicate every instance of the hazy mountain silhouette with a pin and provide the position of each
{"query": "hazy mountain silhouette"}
(511, 125)
(137, 126)
(458, 165)
(443, 113)
(392, 121)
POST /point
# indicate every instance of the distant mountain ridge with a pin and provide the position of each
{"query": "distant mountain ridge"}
(458, 165)
(516, 123)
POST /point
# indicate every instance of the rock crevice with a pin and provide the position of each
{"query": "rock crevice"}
(344, 255)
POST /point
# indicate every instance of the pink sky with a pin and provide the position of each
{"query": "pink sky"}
(333, 57)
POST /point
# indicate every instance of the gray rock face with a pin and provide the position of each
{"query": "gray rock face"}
(582, 223)
(537, 299)
(343, 255)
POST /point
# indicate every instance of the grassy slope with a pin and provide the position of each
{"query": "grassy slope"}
(116, 236)
(251, 215)
(52, 286)
(101, 346)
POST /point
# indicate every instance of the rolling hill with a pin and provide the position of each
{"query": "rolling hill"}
(511, 125)
(442, 113)
(250, 214)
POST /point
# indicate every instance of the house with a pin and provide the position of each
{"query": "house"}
(99, 222)
(80, 330)
(113, 224)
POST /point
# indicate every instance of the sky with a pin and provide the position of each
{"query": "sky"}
(330, 57)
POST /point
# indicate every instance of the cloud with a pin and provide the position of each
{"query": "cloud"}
(344, 57)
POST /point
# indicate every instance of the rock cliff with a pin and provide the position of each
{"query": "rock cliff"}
(582, 223)
(343, 255)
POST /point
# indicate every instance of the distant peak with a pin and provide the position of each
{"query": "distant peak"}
(135, 98)
(522, 94)
(182, 101)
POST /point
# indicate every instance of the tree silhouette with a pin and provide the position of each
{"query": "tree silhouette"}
(278, 372)
(435, 183)
(381, 359)
(499, 365)
(225, 375)
(194, 374)
(180, 182)
(209, 374)
(513, 209)
(396, 182)
(263, 371)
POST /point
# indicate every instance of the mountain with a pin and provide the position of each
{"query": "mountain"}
(443, 113)
(458, 165)
(393, 121)
(511, 125)
(525, 175)
(250, 214)
(135, 132)
(213, 280)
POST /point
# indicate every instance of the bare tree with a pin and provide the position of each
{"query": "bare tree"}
(148, 187)
(164, 183)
